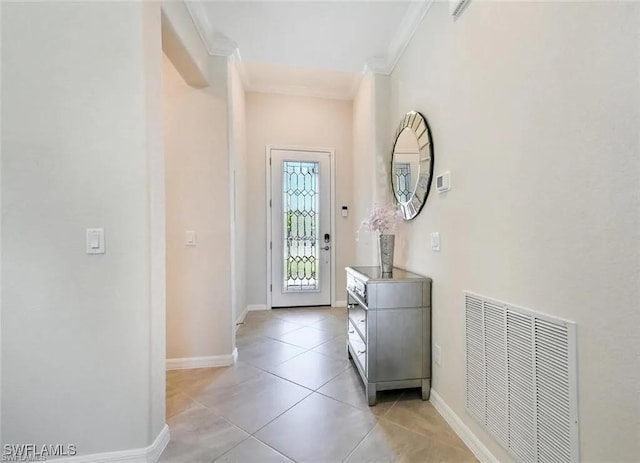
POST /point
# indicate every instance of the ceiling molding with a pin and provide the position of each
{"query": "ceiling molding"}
(200, 21)
(300, 91)
(377, 66)
(215, 45)
(221, 46)
(413, 17)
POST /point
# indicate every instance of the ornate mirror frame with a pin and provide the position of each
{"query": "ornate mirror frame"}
(416, 122)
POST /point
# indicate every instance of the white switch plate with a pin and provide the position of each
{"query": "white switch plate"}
(190, 238)
(437, 354)
(95, 241)
(435, 241)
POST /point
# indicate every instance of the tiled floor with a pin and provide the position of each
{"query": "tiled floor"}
(294, 396)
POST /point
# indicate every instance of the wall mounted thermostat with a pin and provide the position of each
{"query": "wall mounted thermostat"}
(443, 182)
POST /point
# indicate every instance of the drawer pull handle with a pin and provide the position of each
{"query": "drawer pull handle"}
(352, 331)
(362, 321)
(361, 351)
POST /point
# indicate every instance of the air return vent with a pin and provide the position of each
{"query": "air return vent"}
(522, 379)
(456, 7)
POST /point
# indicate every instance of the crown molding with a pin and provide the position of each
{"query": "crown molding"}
(222, 46)
(200, 21)
(383, 65)
(215, 45)
(293, 90)
(412, 18)
(377, 65)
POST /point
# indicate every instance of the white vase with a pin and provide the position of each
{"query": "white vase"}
(385, 247)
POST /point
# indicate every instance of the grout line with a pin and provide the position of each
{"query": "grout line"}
(243, 440)
(395, 402)
(274, 449)
(360, 442)
(285, 411)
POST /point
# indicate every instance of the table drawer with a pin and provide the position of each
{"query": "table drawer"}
(358, 347)
(358, 317)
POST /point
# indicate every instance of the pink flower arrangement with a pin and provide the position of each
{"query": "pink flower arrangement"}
(382, 219)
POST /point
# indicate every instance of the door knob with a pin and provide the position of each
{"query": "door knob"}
(326, 248)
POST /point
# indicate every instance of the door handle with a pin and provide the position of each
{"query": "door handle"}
(326, 248)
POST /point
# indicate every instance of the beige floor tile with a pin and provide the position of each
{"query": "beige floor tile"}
(258, 315)
(305, 337)
(254, 402)
(390, 443)
(180, 402)
(190, 381)
(347, 387)
(336, 347)
(411, 412)
(318, 429)
(267, 352)
(311, 369)
(252, 451)
(227, 377)
(200, 436)
(210, 409)
(335, 325)
(304, 316)
(277, 327)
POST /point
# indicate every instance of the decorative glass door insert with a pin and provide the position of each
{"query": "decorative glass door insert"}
(300, 196)
(300, 214)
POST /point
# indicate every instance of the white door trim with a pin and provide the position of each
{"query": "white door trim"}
(332, 204)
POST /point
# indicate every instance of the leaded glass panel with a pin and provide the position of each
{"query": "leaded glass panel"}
(300, 196)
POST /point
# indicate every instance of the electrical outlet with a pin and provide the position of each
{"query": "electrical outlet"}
(437, 354)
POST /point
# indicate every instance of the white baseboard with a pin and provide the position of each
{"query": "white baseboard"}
(255, 307)
(202, 362)
(340, 304)
(241, 318)
(481, 452)
(149, 454)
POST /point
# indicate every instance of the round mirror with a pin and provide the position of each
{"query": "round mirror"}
(412, 164)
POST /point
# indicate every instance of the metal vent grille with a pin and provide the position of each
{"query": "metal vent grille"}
(522, 379)
(456, 7)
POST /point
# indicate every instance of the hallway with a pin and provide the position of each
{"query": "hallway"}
(294, 396)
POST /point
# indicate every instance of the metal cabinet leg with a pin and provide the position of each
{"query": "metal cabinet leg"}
(348, 352)
(371, 393)
(426, 389)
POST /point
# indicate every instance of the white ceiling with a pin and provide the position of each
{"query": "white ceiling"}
(335, 37)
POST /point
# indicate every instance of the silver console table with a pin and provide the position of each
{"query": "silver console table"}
(389, 329)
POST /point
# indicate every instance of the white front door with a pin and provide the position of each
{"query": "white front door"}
(300, 228)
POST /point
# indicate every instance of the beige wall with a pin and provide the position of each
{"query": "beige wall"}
(199, 320)
(80, 345)
(364, 173)
(238, 149)
(1, 144)
(534, 108)
(296, 121)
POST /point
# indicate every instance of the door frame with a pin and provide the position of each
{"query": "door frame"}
(267, 208)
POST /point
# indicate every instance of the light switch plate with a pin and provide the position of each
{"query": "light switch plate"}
(95, 241)
(435, 241)
(190, 238)
(437, 354)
